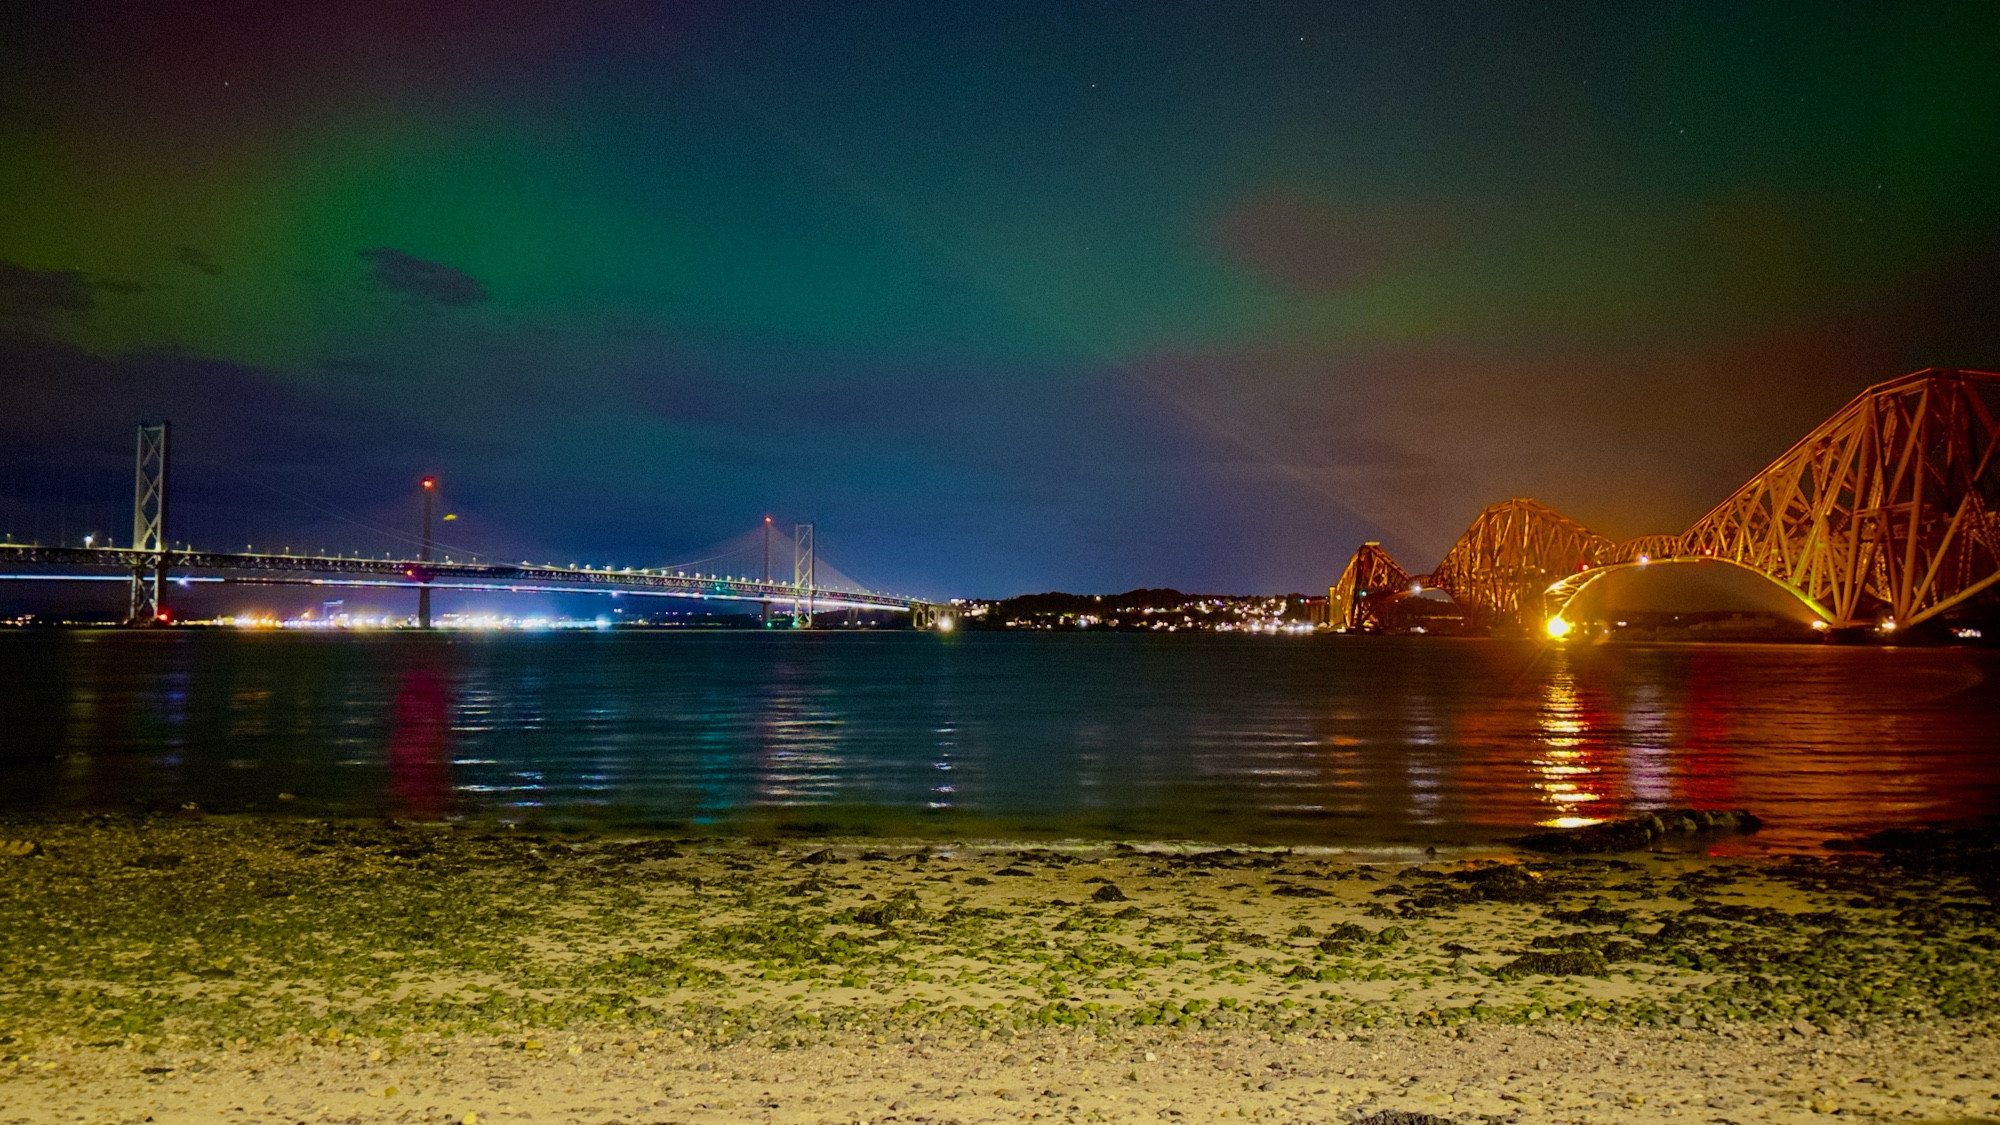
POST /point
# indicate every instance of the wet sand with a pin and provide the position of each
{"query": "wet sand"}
(201, 968)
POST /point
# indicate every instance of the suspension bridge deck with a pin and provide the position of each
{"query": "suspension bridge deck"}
(188, 567)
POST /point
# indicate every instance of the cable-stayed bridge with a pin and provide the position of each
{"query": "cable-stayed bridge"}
(1883, 517)
(151, 567)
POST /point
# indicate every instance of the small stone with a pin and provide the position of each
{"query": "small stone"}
(19, 849)
(1109, 892)
(1803, 1027)
(1569, 962)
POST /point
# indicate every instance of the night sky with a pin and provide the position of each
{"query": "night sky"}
(1006, 297)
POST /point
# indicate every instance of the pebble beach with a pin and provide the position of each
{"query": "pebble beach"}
(199, 968)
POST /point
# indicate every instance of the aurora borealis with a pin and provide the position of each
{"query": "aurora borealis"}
(1004, 296)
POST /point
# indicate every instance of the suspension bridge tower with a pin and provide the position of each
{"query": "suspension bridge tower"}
(149, 526)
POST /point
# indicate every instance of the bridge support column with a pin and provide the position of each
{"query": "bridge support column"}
(149, 527)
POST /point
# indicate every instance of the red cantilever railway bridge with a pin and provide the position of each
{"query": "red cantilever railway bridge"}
(1887, 513)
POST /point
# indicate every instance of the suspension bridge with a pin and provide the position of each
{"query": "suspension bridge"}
(151, 567)
(1883, 517)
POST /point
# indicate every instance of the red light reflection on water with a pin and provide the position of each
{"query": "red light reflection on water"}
(420, 742)
(1816, 742)
(1705, 772)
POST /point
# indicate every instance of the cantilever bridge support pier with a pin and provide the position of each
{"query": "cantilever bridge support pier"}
(1367, 588)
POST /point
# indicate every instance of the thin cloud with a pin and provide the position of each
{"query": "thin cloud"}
(195, 258)
(31, 294)
(423, 281)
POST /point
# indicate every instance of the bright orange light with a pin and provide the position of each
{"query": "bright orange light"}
(430, 482)
(1557, 628)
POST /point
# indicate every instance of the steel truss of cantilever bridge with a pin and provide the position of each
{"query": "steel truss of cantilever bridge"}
(152, 567)
(1886, 514)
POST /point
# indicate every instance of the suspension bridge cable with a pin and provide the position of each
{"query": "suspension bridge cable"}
(357, 520)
